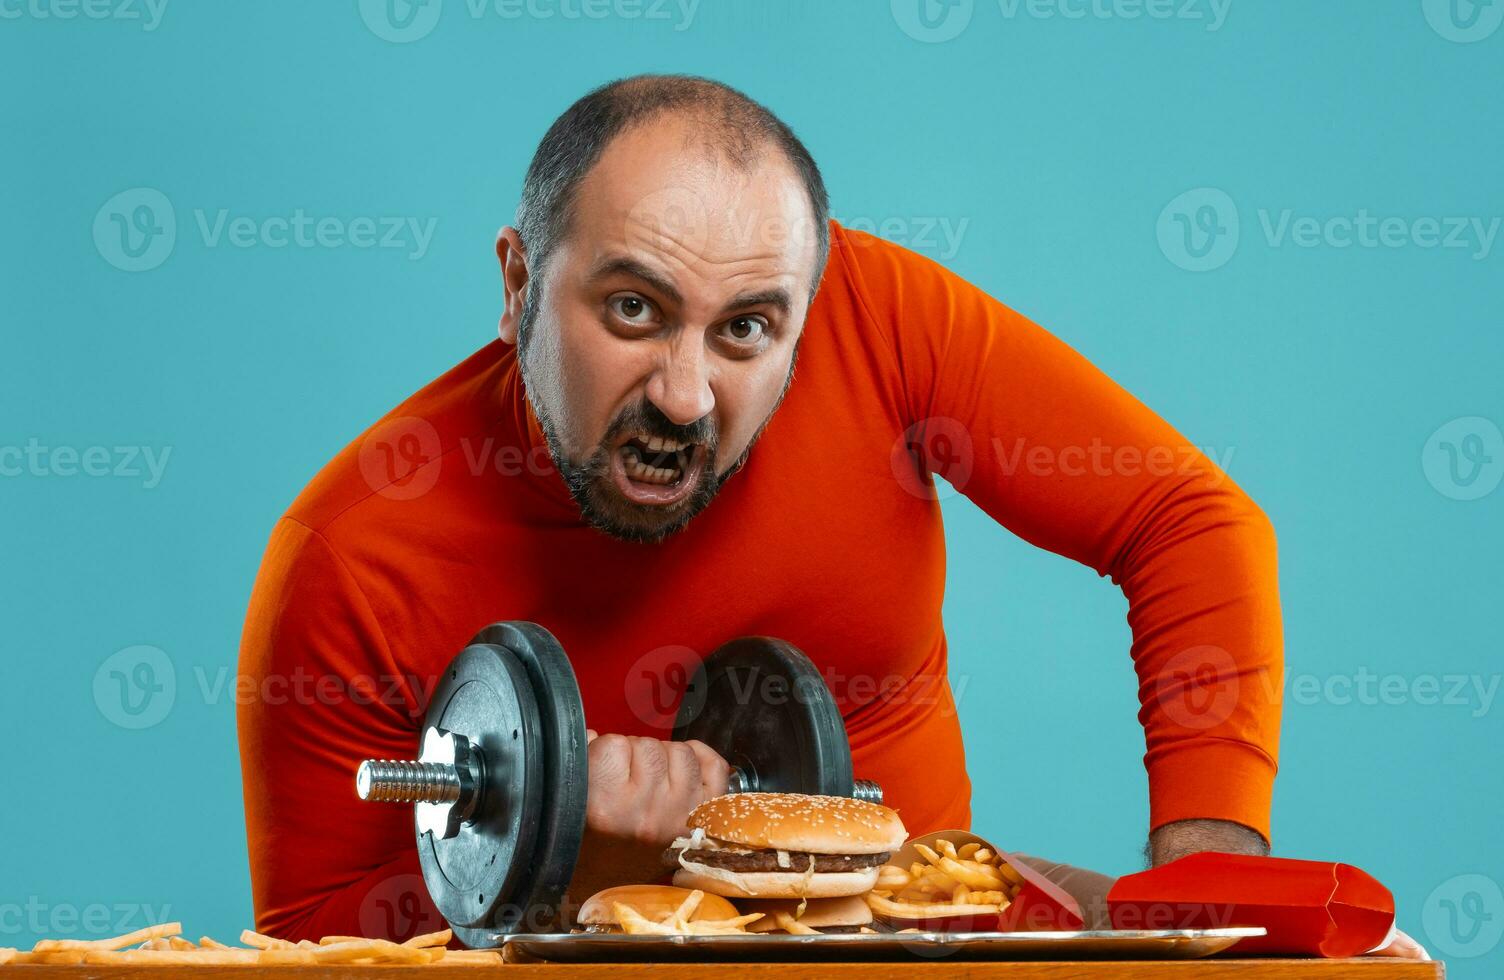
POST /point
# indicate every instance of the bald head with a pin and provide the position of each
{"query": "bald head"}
(722, 122)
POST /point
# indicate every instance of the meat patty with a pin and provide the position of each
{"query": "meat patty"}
(768, 860)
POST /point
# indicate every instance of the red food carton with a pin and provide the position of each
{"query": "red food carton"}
(1312, 908)
(1041, 906)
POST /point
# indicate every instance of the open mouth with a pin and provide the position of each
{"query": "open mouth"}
(656, 471)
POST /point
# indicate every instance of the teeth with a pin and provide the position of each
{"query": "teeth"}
(658, 444)
(640, 471)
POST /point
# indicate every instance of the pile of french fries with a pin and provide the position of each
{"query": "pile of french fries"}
(164, 945)
(966, 880)
(678, 923)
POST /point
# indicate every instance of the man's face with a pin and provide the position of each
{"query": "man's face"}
(664, 334)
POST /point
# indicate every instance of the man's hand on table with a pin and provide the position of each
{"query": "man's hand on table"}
(641, 792)
(1176, 840)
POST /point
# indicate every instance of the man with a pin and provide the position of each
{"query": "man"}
(638, 466)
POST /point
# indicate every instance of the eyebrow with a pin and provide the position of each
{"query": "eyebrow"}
(623, 265)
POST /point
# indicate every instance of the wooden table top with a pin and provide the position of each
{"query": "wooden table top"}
(1371, 968)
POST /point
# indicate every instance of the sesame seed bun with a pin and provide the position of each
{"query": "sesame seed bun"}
(794, 822)
(655, 902)
(778, 884)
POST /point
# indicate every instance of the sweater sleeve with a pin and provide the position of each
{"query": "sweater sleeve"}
(318, 692)
(1054, 450)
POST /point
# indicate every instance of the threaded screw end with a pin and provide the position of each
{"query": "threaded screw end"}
(397, 781)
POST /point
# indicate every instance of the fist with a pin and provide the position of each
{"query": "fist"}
(642, 789)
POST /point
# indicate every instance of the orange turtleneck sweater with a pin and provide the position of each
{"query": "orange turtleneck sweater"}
(446, 516)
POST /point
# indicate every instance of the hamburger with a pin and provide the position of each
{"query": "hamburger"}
(850, 913)
(785, 845)
(653, 902)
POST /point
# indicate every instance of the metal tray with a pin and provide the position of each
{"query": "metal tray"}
(1160, 944)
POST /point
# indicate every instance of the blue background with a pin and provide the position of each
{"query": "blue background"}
(1059, 142)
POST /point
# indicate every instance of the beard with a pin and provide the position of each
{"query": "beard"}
(589, 481)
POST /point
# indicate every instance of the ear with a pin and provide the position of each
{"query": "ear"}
(514, 279)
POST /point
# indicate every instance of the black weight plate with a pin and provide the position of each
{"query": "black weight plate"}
(560, 821)
(487, 696)
(764, 707)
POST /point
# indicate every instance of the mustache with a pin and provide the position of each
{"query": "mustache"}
(646, 418)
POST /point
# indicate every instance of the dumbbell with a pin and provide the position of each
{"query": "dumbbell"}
(500, 781)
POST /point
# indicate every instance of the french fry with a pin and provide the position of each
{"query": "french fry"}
(722, 927)
(57, 957)
(331, 940)
(206, 943)
(378, 950)
(969, 851)
(180, 944)
(959, 896)
(7, 954)
(980, 854)
(116, 942)
(440, 938)
(793, 926)
(472, 957)
(946, 847)
(687, 907)
(634, 923)
(257, 941)
(973, 876)
(172, 957)
(907, 910)
(285, 955)
(928, 853)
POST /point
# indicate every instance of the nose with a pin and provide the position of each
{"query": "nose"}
(680, 387)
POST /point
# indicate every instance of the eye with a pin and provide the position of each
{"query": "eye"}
(746, 331)
(632, 309)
